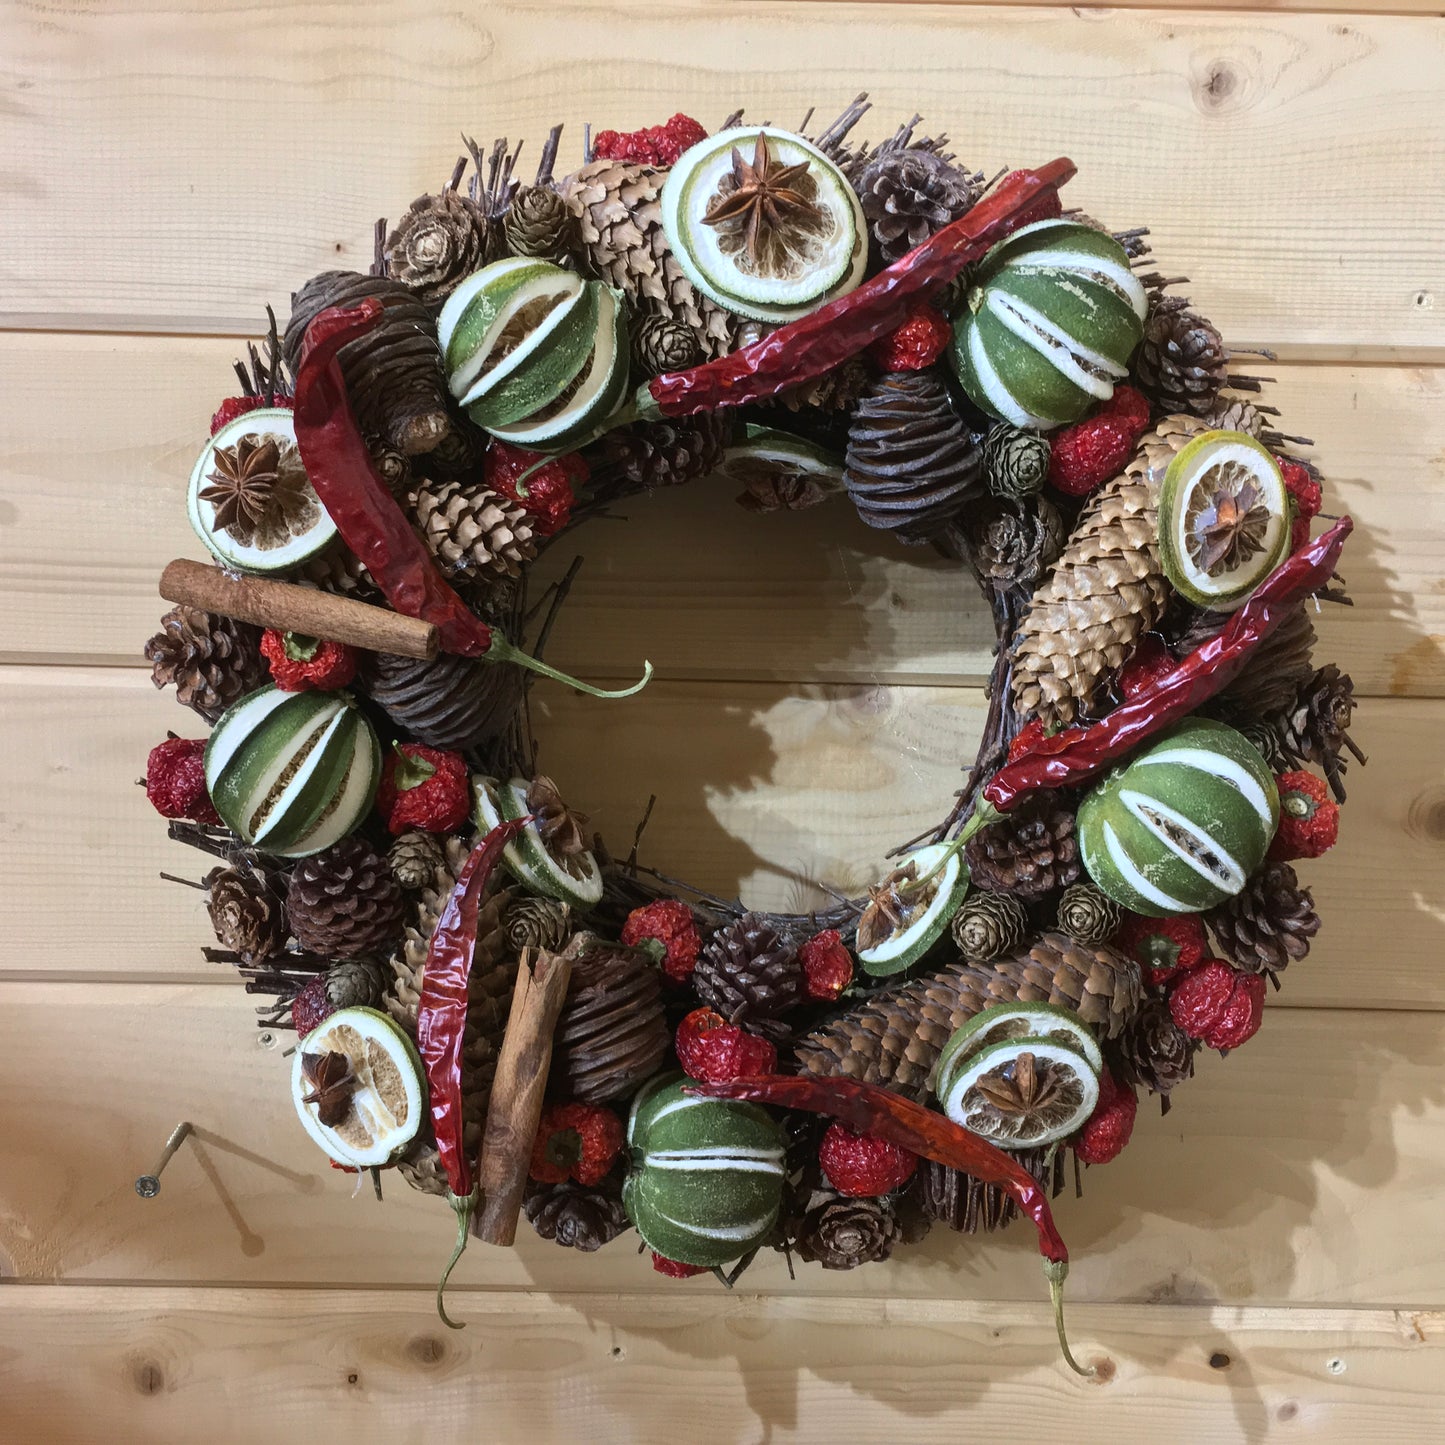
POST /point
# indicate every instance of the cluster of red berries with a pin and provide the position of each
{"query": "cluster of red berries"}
(654, 145)
(1091, 452)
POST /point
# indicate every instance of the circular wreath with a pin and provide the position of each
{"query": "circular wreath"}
(518, 1020)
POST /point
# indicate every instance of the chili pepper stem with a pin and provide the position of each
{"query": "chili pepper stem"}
(463, 1208)
(503, 651)
(1056, 1271)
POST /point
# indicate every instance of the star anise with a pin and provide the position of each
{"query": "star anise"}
(254, 486)
(1025, 1087)
(332, 1085)
(1229, 528)
(765, 199)
(890, 905)
(562, 829)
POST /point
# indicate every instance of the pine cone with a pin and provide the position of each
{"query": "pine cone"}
(1234, 414)
(1087, 914)
(1106, 591)
(751, 976)
(612, 1034)
(1016, 460)
(538, 223)
(1273, 672)
(440, 241)
(1268, 924)
(539, 923)
(212, 661)
(1316, 729)
(357, 983)
(835, 390)
(423, 1169)
(344, 903)
(895, 1037)
(393, 373)
(661, 453)
(911, 463)
(988, 925)
(661, 344)
(247, 911)
(1265, 737)
(471, 529)
(574, 1215)
(967, 1205)
(841, 1233)
(910, 193)
(1182, 361)
(451, 702)
(341, 571)
(1154, 1051)
(620, 236)
(414, 857)
(1028, 852)
(1013, 543)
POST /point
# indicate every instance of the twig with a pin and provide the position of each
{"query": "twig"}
(637, 835)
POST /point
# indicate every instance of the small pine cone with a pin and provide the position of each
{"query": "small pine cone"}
(423, 1169)
(473, 529)
(612, 1034)
(211, 660)
(1234, 414)
(1154, 1051)
(539, 923)
(836, 390)
(1275, 670)
(661, 344)
(451, 702)
(344, 903)
(911, 463)
(393, 373)
(1028, 852)
(989, 925)
(661, 453)
(414, 857)
(960, 1202)
(394, 468)
(751, 976)
(357, 983)
(1182, 361)
(574, 1215)
(1014, 543)
(1265, 736)
(1016, 460)
(538, 223)
(1268, 924)
(910, 193)
(842, 1233)
(338, 570)
(1317, 727)
(248, 911)
(440, 241)
(1087, 914)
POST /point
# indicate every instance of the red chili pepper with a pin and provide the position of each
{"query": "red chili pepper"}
(339, 466)
(867, 1109)
(814, 344)
(441, 1021)
(1071, 756)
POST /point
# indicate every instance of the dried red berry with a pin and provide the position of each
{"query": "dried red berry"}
(716, 1052)
(235, 406)
(918, 341)
(675, 1268)
(575, 1141)
(1148, 663)
(1162, 946)
(1088, 454)
(548, 495)
(1218, 1004)
(1309, 819)
(312, 1006)
(1108, 1129)
(304, 664)
(176, 780)
(669, 923)
(1130, 406)
(863, 1165)
(827, 965)
(1305, 489)
(424, 788)
(656, 145)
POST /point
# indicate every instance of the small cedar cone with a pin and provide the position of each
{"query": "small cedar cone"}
(1268, 924)
(842, 1233)
(989, 925)
(1087, 914)
(211, 660)
(356, 983)
(414, 857)
(1016, 460)
(575, 1215)
(538, 923)
(440, 241)
(538, 223)
(345, 903)
(247, 911)
(1028, 852)
(660, 343)
(1154, 1051)
(751, 976)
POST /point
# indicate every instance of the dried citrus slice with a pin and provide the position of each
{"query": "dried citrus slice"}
(575, 879)
(358, 1086)
(1020, 1093)
(765, 453)
(1223, 519)
(925, 912)
(1005, 1021)
(763, 222)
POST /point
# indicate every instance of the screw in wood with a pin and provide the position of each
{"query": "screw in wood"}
(149, 1185)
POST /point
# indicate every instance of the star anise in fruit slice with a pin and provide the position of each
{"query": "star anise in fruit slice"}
(766, 200)
(332, 1085)
(1026, 1086)
(892, 904)
(563, 830)
(1230, 525)
(255, 486)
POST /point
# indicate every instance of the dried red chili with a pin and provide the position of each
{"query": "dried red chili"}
(441, 1022)
(1076, 754)
(339, 466)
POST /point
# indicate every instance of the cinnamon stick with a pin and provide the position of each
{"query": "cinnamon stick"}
(306, 610)
(515, 1109)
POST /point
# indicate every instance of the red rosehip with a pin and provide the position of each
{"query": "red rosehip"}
(1088, 454)
(863, 1165)
(575, 1141)
(917, 342)
(716, 1052)
(668, 923)
(1164, 947)
(827, 965)
(1309, 819)
(424, 788)
(235, 406)
(1108, 1128)
(1218, 1004)
(675, 1268)
(548, 495)
(175, 780)
(300, 663)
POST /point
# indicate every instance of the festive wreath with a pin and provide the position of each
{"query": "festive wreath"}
(470, 975)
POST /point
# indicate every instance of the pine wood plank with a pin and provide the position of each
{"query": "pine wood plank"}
(214, 213)
(1304, 1169)
(767, 789)
(176, 1365)
(690, 580)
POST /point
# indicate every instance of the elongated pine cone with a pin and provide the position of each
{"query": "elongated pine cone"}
(611, 1035)
(574, 1215)
(961, 1202)
(1267, 925)
(842, 1233)
(1028, 852)
(248, 913)
(895, 1038)
(751, 976)
(1106, 590)
(345, 903)
(210, 660)
(440, 241)
(451, 702)
(1154, 1051)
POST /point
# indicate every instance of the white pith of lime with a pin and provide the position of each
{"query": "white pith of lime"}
(766, 451)
(313, 533)
(578, 881)
(948, 884)
(1005, 1021)
(389, 1103)
(962, 1100)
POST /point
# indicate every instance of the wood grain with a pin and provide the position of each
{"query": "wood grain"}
(1316, 229)
(813, 596)
(181, 1364)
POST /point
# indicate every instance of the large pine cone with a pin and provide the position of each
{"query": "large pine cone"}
(440, 241)
(471, 529)
(574, 1215)
(1154, 1051)
(393, 373)
(248, 911)
(751, 976)
(966, 1204)
(910, 193)
(1028, 852)
(660, 454)
(212, 661)
(895, 1038)
(911, 463)
(611, 1035)
(1274, 671)
(1317, 727)
(842, 1233)
(1182, 361)
(345, 903)
(1268, 924)
(451, 702)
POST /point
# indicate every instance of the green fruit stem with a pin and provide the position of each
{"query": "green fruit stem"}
(410, 772)
(641, 407)
(1056, 1271)
(503, 651)
(463, 1207)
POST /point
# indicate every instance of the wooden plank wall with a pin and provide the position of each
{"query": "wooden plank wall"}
(1266, 1263)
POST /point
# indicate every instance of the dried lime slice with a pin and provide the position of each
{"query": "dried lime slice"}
(767, 454)
(1020, 1093)
(576, 880)
(925, 904)
(359, 1088)
(1005, 1021)
(1223, 519)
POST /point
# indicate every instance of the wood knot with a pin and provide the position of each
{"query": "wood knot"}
(1425, 817)
(147, 1377)
(1104, 1370)
(1220, 87)
(426, 1350)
